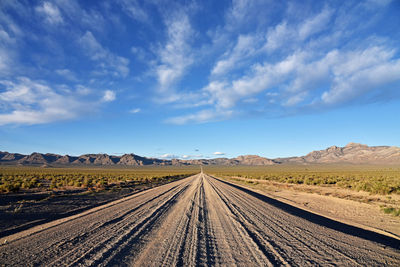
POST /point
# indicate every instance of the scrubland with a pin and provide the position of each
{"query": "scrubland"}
(381, 182)
(15, 179)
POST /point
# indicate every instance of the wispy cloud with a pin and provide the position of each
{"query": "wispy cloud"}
(83, 90)
(66, 73)
(206, 115)
(217, 153)
(288, 36)
(347, 74)
(295, 66)
(314, 24)
(175, 56)
(6, 61)
(10, 33)
(135, 110)
(108, 62)
(134, 9)
(50, 12)
(192, 156)
(244, 49)
(88, 19)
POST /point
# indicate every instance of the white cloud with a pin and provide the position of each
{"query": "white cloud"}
(135, 110)
(285, 35)
(109, 63)
(92, 46)
(295, 99)
(250, 100)
(376, 3)
(5, 37)
(32, 102)
(51, 13)
(201, 116)
(246, 47)
(66, 73)
(83, 90)
(191, 156)
(6, 62)
(219, 153)
(315, 24)
(140, 53)
(265, 75)
(360, 72)
(238, 9)
(278, 35)
(109, 96)
(134, 10)
(169, 156)
(175, 56)
(8, 45)
(244, 14)
(225, 95)
(7, 21)
(83, 18)
(304, 79)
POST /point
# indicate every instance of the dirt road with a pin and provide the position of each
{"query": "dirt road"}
(199, 221)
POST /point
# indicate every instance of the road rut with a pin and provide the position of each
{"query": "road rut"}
(197, 221)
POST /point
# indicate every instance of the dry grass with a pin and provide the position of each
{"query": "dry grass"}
(14, 179)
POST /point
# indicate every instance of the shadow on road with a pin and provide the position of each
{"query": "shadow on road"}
(323, 221)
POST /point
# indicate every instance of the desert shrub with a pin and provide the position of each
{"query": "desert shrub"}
(391, 210)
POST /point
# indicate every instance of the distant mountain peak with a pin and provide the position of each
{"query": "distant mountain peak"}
(352, 144)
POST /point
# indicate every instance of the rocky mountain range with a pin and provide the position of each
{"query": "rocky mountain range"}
(352, 153)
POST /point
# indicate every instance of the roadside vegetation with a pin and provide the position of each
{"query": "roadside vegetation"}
(371, 179)
(15, 179)
(391, 210)
(381, 183)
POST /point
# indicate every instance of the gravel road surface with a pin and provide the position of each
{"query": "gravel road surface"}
(199, 221)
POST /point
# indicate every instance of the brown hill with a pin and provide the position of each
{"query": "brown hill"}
(9, 157)
(254, 160)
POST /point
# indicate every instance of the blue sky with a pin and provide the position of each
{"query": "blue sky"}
(196, 79)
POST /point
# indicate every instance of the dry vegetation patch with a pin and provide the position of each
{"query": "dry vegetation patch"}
(33, 195)
(15, 179)
(366, 196)
(365, 183)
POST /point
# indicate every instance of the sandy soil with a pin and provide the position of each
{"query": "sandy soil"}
(198, 221)
(357, 208)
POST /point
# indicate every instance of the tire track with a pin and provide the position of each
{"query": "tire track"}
(266, 247)
(109, 245)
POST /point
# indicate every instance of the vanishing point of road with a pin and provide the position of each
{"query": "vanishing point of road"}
(198, 221)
